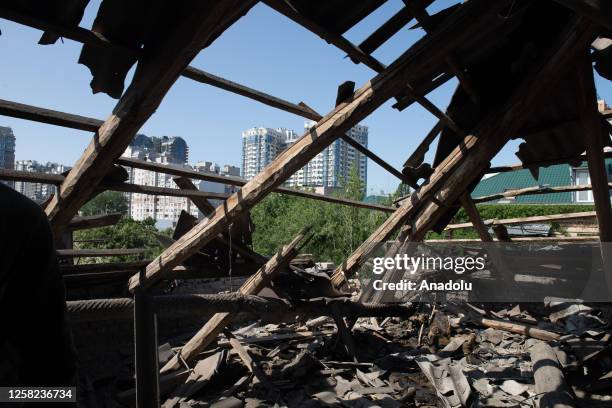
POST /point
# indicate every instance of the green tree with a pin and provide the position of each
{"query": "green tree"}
(106, 203)
(127, 233)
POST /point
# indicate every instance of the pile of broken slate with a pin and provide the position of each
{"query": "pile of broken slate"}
(555, 354)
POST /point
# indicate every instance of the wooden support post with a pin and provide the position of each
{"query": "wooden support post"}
(474, 216)
(145, 351)
(594, 139)
(152, 80)
(252, 286)
(371, 96)
(473, 155)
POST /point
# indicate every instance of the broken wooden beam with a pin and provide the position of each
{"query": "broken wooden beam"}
(210, 79)
(472, 156)
(535, 190)
(252, 286)
(356, 54)
(102, 267)
(550, 383)
(518, 239)
(419, 60)
(94, 221)
(162, 191)
(388, 29)
(237, 181)
(528, 220)
(90, 310)
(31, 176)
(96, 252)
(49, 116)
(152, 80)
(474, 216)
(373, 156)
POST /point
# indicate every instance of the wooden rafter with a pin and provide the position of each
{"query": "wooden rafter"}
(152, 80)
(94, 221)
(353, 51)
(252, 286)
(472, 156)
(529, 220)
(534, 191)
(161, 191)
(426, 56)
(373, 156)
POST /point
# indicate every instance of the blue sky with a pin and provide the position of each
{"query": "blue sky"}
(264, 50)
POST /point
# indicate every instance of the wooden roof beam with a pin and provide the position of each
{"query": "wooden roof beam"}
(534, 191)
(94, 221)
(97, 252)
(236, 181)
(388, 29)
(49, 116)
(424, 19)
(152, 80)
(353, 51)
(471, 157)
(424, 57)
(528, 220)
(162, 191)
(300, 109)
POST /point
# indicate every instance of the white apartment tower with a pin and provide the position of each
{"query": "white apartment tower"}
(327, 171)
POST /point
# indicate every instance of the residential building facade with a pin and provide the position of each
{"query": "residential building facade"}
(7, 150)
(166, 210)
(327, 171)
(38, 192)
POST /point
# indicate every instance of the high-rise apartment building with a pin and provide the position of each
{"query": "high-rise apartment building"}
(7, 150)
(163, 209)
(174, 149)
(327, 171)
(38, 192)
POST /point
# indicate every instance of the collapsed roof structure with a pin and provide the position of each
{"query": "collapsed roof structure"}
(524, 67)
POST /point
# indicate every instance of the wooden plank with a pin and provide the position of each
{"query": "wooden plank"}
(529, 220)
(210, 79)
(201, 202)
(95, 252)
(237, 181)
(518, 239)
(356, 54)
(252, 286)
(31, 176)
(49, 116)
(94, 221)
(535, 190)
(102, 267)
(418, 156)
(476, 220)
(388, 29)
(420, 59)
(543, 163)
(472, 156)
(599, 11)
(373, 156)
(152, 80)
(162, 191)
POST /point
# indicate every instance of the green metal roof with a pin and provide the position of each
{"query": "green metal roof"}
(558, 175)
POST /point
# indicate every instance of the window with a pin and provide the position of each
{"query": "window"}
(581, 177)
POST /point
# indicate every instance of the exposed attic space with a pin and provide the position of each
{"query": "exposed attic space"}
(212, 322)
